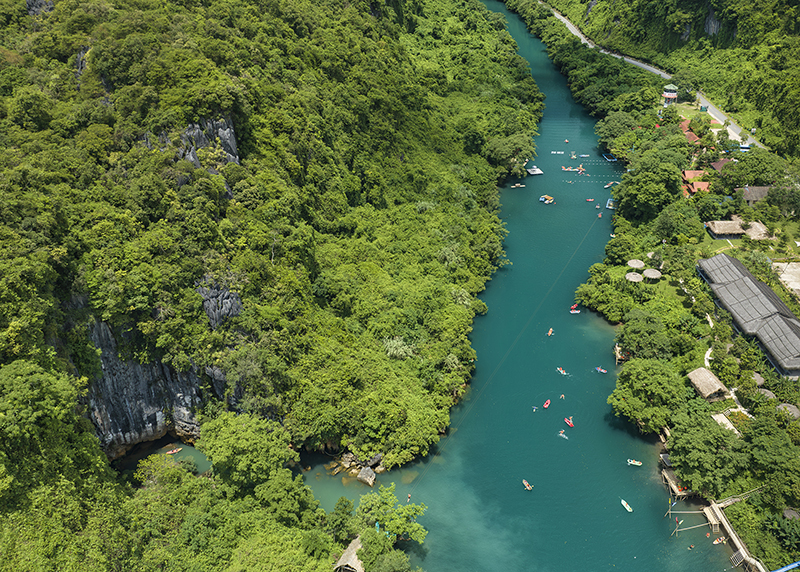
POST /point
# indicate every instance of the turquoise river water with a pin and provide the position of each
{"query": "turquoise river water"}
(479, 515)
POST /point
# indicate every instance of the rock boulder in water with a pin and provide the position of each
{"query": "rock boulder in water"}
(367, 476)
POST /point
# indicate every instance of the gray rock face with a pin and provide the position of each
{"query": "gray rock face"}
(712, 25)
(132, 403)
(219, 303)
(199, 135)
(366, 476)
(36, 7)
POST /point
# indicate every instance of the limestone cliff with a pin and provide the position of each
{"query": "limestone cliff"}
(132, 403)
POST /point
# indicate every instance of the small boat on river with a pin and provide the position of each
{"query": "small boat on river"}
(589, 200)
(720, 540)
(568, 421)
(547, 404)
(583, 156)
(174, 451)
(546, 199)
(634, 462)
(574, 311)
(534, 170)
(527, 485)
(599, 369)
(561, 371)
(626, 505)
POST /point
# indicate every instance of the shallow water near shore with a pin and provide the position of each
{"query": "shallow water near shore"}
(479, 515)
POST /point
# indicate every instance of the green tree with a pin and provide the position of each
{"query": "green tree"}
(647, 392)
(244, 449)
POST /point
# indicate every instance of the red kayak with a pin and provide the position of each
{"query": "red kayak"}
(568, 421)
(547, 404)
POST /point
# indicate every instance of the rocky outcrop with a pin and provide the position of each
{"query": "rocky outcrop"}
(367, 476)
(712, 26)
(219, 303)
(36, 7)
(207, 132)
(132, 403)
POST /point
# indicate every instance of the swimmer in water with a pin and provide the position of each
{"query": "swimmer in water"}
(562, 396)
(534, 407)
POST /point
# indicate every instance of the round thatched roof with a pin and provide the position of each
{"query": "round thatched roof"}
(766, 393)
(635, 263)
(790, 409)
(790, 513)
(633, 277)
(652, 273)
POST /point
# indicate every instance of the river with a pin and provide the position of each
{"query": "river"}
(479, 516)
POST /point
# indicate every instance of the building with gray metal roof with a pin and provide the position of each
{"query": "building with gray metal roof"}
(756, 309)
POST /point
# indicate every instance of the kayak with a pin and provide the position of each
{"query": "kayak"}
(634, 462)
(174, 451)
(568, 421)
(528, 486)
(626, 505)
(547, 404)
(574, 311)
(561, 371)
(600, 370)
(720, 540)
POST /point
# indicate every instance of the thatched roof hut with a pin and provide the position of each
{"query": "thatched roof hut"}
(652, 274)
(766, 393)
(633, 277)
(707, 385)
(725, 228)
(790, 409)
(349, 561)
(635, 263)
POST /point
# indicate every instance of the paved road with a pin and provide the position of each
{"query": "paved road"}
(734, 131)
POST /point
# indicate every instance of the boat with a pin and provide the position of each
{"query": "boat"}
(599, 369)
(174, 451)
(561, 371)
(528, 486)
(583, 156)
(720, 540)
(550, 332)
(568, 421)
(574, 311)
(634, 462)
(626, 505)
(546, 404)
(546, 199)
(609, 157)
(589, 200)
(534, 170)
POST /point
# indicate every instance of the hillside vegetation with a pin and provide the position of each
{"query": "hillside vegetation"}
(357, 225)
(742, 54)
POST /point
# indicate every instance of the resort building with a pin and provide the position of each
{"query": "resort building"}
(757, 311)
(753, 194)
(707, 385)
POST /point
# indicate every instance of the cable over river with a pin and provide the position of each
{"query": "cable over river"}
(480, 516)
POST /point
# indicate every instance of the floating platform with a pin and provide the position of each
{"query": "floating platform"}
(535, 171)
(611, 204)
(609, 157)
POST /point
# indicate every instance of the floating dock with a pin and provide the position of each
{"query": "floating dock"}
(535, 171)
(611, 204)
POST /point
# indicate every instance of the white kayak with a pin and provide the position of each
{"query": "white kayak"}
(626, 505)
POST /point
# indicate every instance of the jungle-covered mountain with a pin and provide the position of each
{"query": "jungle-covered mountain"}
(350, 210)
(742, 54)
